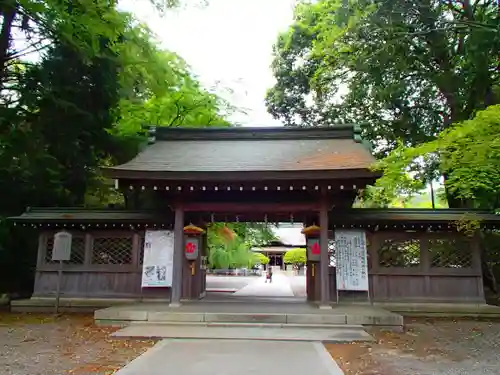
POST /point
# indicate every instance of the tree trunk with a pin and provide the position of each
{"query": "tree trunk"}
(8, 12)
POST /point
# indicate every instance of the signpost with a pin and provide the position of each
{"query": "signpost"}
(158, 258)
(61, 251)
(351, 259)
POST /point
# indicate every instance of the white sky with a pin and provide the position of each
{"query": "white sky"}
(228, 44)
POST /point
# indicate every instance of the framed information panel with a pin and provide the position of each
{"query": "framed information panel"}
(158, 258)
(352, 263)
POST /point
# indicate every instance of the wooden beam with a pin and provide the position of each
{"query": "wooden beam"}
(245, 176)
(248, 207)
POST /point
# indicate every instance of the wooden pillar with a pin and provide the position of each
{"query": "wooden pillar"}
(476, 264)
(425, 264)
(176, 292)
(324, 256)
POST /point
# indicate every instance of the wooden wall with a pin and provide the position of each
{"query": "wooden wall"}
(421, 267)
(104, 264)
(403, 266)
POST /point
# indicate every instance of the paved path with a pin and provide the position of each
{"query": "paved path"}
(280, 287)
(228, 357)
(229, 284)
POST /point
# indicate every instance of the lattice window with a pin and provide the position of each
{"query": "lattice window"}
(399, 253)
(331, 253)
(77, 250)
(450, 253)
(112, 250)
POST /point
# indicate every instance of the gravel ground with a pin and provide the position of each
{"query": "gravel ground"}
(43, 345)
(428, 347)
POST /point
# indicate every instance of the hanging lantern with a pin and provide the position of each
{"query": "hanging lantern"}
(311, 230)
(193, 229)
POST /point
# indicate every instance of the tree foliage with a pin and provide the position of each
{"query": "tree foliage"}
(230, 244)
(259, 258)
(295, 256)
(469, 153)
(404, 70)
(77, 80)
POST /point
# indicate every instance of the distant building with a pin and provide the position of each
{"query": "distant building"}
(288, 236)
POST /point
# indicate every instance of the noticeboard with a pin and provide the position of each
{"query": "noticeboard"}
(158, 260)
(61, 251)
(351, 260)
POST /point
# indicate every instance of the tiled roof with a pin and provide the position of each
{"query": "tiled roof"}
(252, 150)
(378, 216)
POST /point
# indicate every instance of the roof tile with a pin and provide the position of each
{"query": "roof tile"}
(251, 156)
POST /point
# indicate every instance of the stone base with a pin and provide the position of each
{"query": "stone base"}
(336, 334)
(442, 310)
(282, 315)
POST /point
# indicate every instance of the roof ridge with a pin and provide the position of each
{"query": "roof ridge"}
(341, 131)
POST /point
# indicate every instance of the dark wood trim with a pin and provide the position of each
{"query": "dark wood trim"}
(89, 246)
(434, 272)
(340, 131)
(136, 249)
(248, 207)
(379, 220)
(42, 248)
(92, 268)
(316, 175)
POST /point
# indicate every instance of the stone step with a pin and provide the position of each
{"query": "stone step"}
(251, 325)
(121, 317)
(186, 332)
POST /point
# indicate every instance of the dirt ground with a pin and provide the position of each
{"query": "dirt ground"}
(427, 347)
(35, 344)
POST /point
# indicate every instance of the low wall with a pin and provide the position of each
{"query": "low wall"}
(420, 267)
(103, 264)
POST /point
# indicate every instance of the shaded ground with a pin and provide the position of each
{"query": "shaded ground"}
(428, 347)
(43, 345)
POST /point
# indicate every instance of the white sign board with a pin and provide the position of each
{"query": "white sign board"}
(158, 258)
(61, 250)
(352, 264)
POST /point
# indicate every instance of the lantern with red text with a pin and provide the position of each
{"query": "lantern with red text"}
(313, 249)
(191, 247)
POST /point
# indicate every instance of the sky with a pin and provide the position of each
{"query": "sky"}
(228, 45)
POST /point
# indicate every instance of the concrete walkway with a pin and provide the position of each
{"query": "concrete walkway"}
(227, 357)
(280, 287)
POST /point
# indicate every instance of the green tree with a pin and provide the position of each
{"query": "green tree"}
(259, 258)
(404, 70)
(296, 257)
(234, 250)
(63, 115)
(469, 153)
(226, 251)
